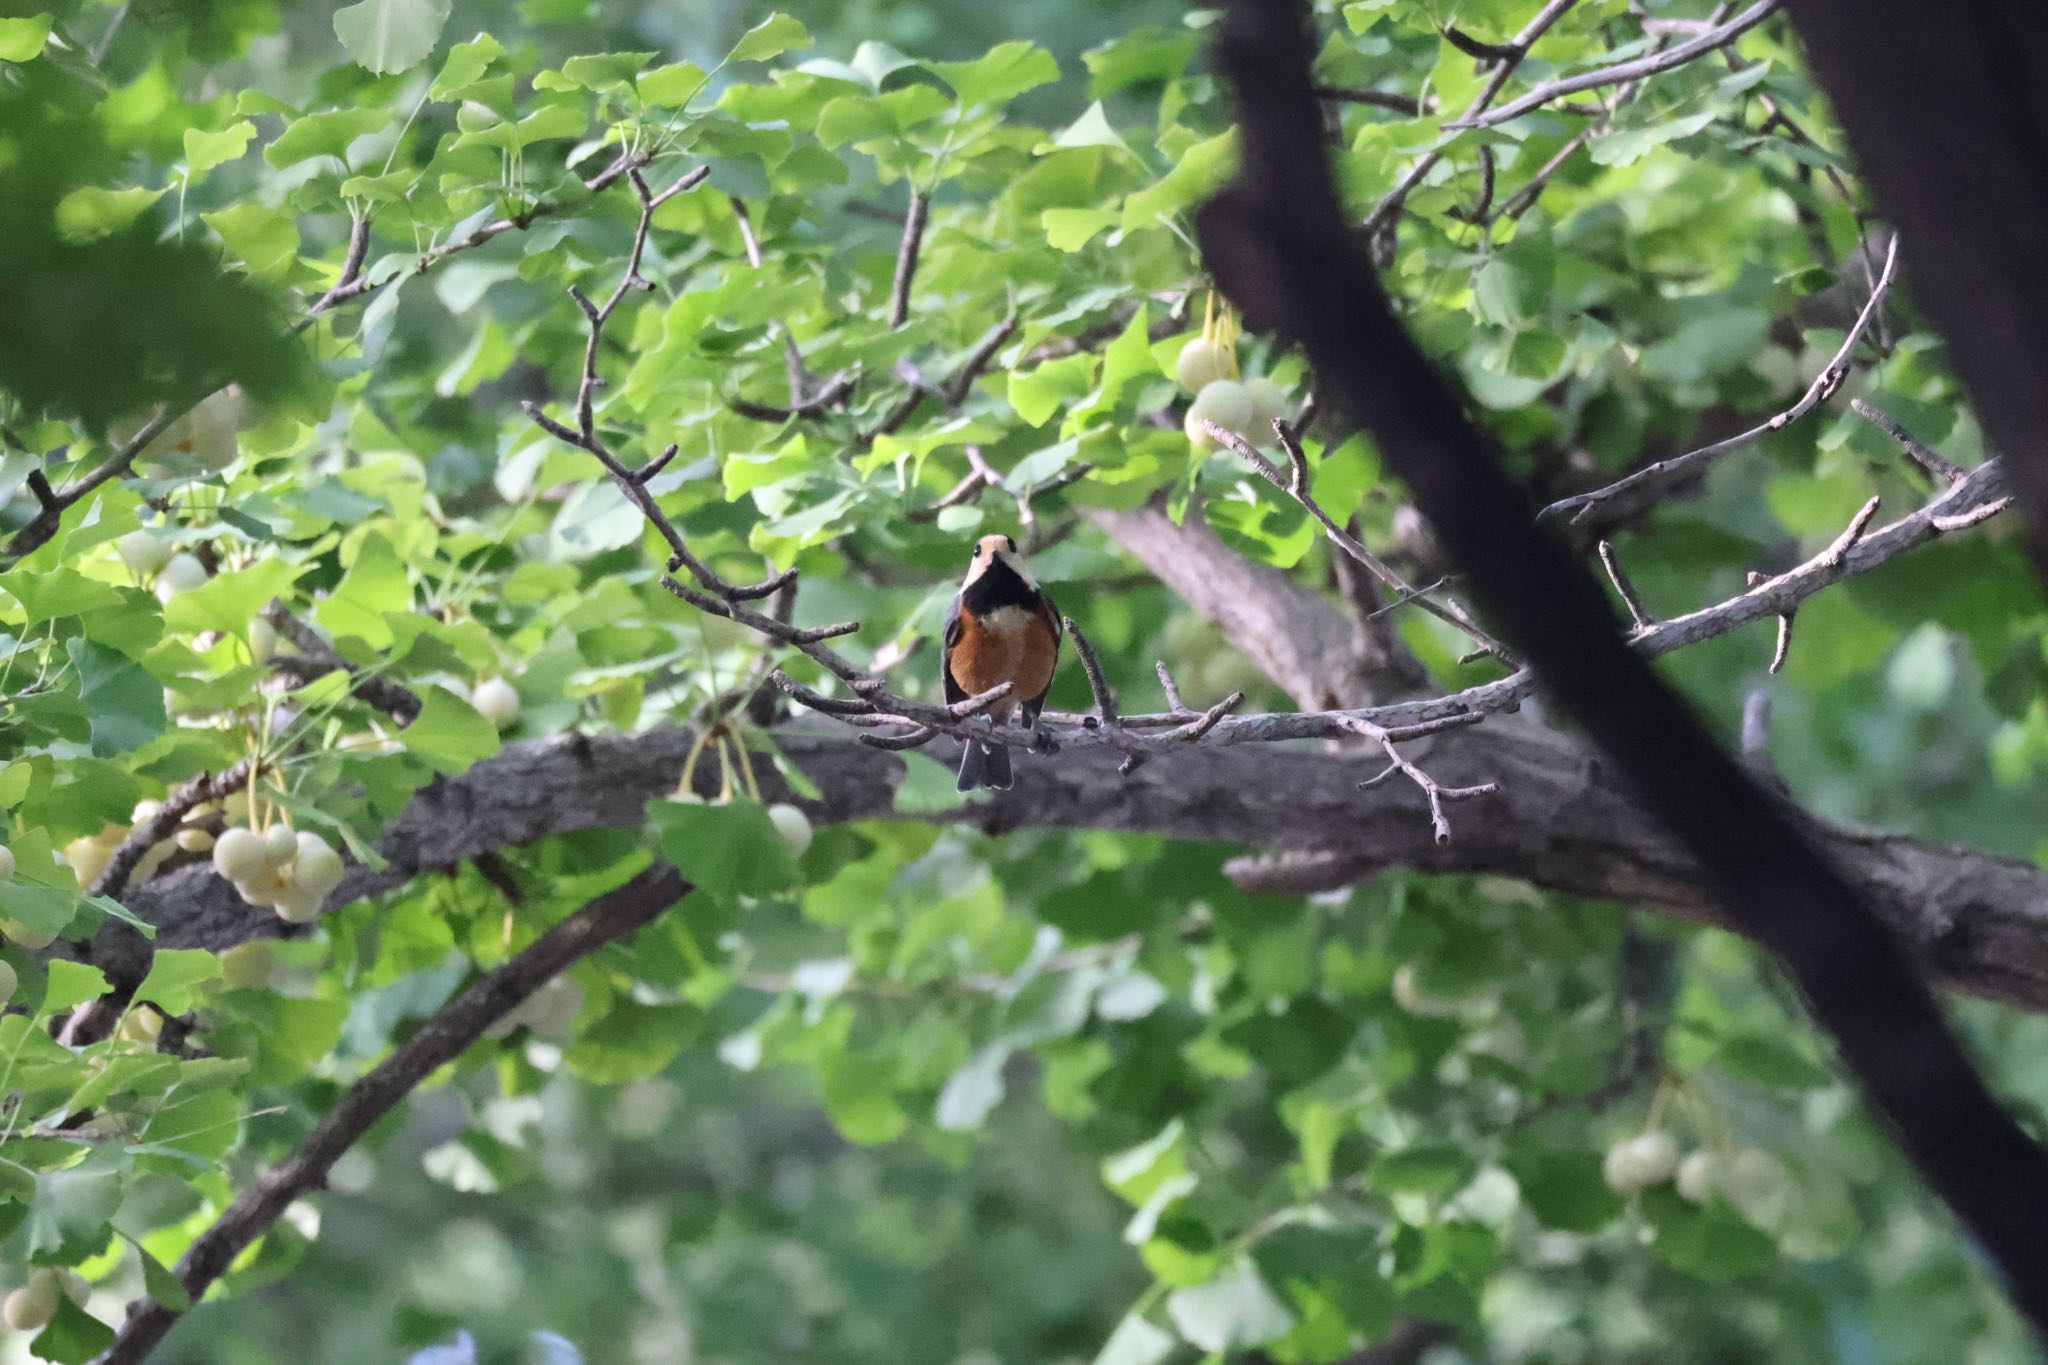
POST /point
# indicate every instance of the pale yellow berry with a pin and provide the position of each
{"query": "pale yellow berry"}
(181, 574)
(1201, 362)
(793, 825)
(144, 552)
(496, 701)
(240, 854)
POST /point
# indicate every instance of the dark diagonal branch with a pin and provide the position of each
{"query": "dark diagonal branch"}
(1625, 497)
(147, 834)
(1276, 241)
(1655, 64)
(1503, 70)
(440, 1040)
(316, 659)
(906, 257)
(1937, 467)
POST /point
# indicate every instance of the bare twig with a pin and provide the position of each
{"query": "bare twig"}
(45, 522)
(440, 1040)
(1390, 204)
(1938, 467)
(1636, 610)
(1105, 700)
(351, 264)
(113, 878)
(1435, 795)
(1654, 64)
(1628, 495)
(906, 258)
(1781, 647)
(1295, 485)
(316, 658)
(1378, 99)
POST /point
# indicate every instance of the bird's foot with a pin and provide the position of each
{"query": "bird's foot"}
(1043, 742)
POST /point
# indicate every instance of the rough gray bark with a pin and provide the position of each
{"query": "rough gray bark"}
(1561, 821)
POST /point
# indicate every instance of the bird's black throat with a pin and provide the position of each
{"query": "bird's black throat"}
(998, 587)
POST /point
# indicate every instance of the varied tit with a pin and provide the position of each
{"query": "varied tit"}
(1001, 628)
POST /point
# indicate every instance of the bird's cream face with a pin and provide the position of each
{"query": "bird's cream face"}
(990, 550)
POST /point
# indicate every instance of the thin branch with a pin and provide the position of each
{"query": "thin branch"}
(1378, 99)
(1432, 792)
(44, 525)
(445, 1036)
(1938, 467)
(1390, 203)
(1639, 613)
(1295, 486)
(978, 359)
(1629, 495)
(113, 878)
(1091, 666)
(906, 258)
(351, 264)
(316, 658)
(1654, 64)
(1781, 647)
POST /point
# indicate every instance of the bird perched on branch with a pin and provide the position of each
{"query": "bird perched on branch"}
(1001, 628)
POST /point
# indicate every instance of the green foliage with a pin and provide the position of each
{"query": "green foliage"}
(915, 1093)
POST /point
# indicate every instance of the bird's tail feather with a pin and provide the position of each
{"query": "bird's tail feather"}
(985, 765)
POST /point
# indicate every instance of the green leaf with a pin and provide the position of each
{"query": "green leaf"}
(1006, 72)
(39, 909)
(323, 134)
(598, 71)
(671, 86)
(731, 849)
(175, 975)
(376, 585)
(1072, 229)
(159, 1283)
(1090, 130)
(1234, 1311)
(1038, 393)
(1763, 1060)
(1710, 1241)
(204, 150)
(772, 37)
(265, 240)
(71, 984)
(94, 212)
(465, 64)
(448, 734)
(73, 1336)
(390, 35)
(1200, 169)
(971, 1092)
(21, 40)
(125, 704)
(633, 1040)
(1429, 1169)
(229, 602)
(68, 1218)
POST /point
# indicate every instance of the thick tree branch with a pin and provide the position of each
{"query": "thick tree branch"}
(1977, 922)
(440, 1040)
(1276, 241)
